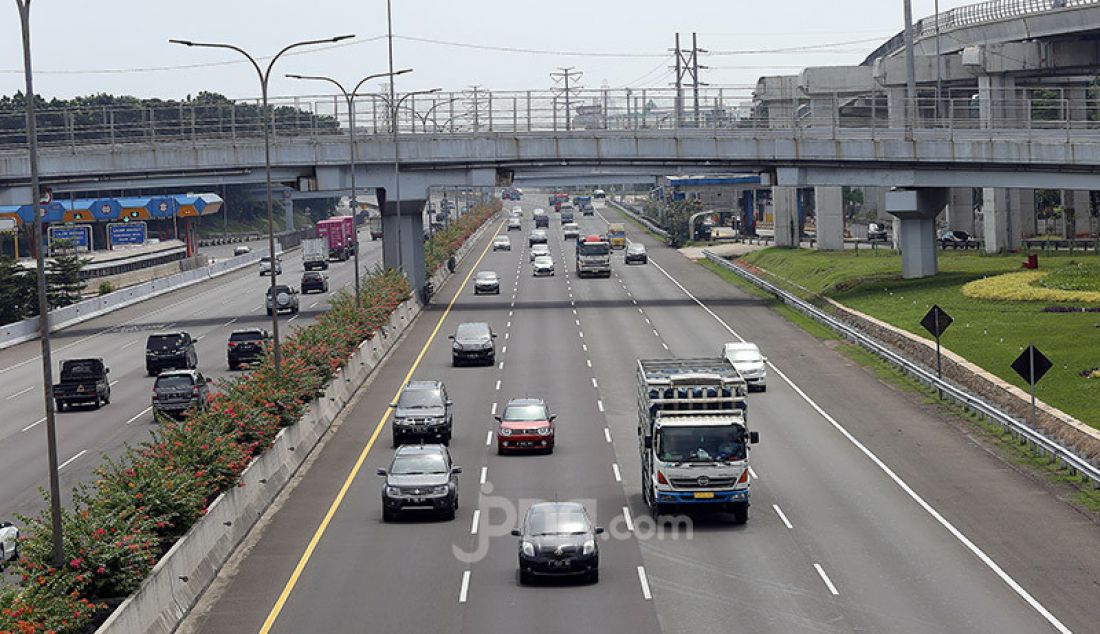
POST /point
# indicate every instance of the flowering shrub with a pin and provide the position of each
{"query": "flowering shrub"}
(1022, 287)
(443, 244)
(117, 527)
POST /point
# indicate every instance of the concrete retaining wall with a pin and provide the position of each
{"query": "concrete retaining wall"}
(185, 571)
(26, 330)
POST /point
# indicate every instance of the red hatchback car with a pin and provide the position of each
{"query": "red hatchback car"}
(526, 425)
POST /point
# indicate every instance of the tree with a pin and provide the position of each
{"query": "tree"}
(64, 284)
(18, 297)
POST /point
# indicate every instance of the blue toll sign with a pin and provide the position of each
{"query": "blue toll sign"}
(126, 233)
(79, 236)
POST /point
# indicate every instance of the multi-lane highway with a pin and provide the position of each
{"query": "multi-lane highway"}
(209, 311)
(871, 512)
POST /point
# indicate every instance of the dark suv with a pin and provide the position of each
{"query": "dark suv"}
(170, 350)
(314, 281)
(177, 391)
(246, 345)
(422, 411)
(420, 477)
(473, 343)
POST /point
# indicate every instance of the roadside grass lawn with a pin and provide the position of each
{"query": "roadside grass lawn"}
(989, 333)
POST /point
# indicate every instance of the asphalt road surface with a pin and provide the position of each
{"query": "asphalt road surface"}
(870, 512)
(209, 311)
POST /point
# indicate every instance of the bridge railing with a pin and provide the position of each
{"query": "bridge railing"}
(645, 109)
(975, 14)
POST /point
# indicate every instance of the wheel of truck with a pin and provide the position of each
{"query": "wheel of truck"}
(396, 439)
(59, 405)
(740, 512)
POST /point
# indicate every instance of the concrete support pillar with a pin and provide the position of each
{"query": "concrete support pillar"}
(1077, 105)
(781, 113)
(916, 211)
(999, 102)
(829, 208)
(895, 106)
(823, 112)
(960, 210)
(1075, 209)
(785, 209)
(1029, 223)
(1001, 220)
(411, 223)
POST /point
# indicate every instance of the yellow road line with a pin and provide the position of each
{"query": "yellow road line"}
(269, 622)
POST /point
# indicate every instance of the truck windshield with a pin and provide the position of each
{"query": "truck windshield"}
(701, 444)
(593, 248)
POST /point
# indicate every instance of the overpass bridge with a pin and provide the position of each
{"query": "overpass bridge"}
(1011, 111)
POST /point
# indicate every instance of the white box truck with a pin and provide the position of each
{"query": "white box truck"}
(314, 253)
(693, 435)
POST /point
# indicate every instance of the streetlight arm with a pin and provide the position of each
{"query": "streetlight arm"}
(295, 45)
(376, 76)
(231, 47)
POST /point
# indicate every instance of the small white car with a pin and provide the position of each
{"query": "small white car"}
(517, 212)
(502, 243)
(265, 266)
(9, 543)
(543, 265)
(242, 250)
(570, 230)
(748, 360)
(539, 250)
(486, 282)
(515, 224)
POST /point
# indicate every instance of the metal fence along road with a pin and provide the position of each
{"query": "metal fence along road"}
(519, 112)
(989, 412)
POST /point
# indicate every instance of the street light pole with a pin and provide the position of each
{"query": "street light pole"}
(350, 98)
(910, 70)
(58, 553)
(264, 76)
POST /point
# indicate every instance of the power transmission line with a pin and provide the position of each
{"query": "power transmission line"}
(563, 77)
(687, 64)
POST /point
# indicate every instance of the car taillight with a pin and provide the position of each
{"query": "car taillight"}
(661, 478)
(232, 344)
(744, 477)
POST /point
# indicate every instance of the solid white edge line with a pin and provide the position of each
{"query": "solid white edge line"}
(484, 473)
(645, 583)
(465, 587)
(489, 438)
(615, 470)
(140, 414)
(963, 539)
(34, 424)
(474, 522)
(782, 516)
(825, 578)
(627, 519)
(607, 434)
(71, 460)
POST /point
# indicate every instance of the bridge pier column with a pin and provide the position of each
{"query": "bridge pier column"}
(895, 106)
(409, 256)
(999, 103)
(1001, 218)
(916, 211)
(960, 210)
(1029, 222)
(785, 209)
(829, 203)
(1075, 207)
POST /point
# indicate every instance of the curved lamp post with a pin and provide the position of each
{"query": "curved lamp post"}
(264, 76)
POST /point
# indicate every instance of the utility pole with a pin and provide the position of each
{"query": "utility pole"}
(687, 64)
(475, 105)
(939, 63)
(911, 71)
(564, 76)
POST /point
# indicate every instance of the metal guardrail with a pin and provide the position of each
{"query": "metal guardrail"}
(629, 210)
(1018, 428)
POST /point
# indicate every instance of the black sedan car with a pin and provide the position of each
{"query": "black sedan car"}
(314, 281)
(957, 240)
(420, 477)
(558, 539)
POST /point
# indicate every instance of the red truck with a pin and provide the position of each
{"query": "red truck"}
(339, 233)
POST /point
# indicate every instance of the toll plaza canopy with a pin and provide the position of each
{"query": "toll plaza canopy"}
(118, 209)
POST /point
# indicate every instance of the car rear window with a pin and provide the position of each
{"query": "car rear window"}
(77, 369)
(164, 342)
(174, 381)
(246, 336)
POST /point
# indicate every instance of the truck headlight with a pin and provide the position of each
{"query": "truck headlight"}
(589, 547)
(528, 549)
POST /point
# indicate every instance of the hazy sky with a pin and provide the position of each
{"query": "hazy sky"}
(121, 46)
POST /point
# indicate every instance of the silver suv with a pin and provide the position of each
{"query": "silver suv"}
(176, 391)
(423, 411)
(282, 298)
